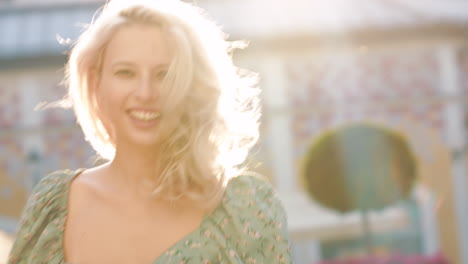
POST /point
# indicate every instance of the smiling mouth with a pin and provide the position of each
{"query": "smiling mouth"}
(145, 115)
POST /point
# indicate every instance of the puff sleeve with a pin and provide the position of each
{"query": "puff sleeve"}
(261, 219)
(39, 227)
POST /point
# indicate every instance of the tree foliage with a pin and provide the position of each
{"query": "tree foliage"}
(359, 167)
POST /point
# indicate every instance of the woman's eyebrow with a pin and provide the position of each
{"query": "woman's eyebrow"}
(162, 65)
(121, 63)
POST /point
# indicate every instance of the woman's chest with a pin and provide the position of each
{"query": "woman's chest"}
(102, 235)
(111, 243)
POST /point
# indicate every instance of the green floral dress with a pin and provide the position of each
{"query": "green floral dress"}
(249, 226)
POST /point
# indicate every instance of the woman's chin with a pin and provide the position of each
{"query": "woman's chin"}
(139, 140)
(147, 142)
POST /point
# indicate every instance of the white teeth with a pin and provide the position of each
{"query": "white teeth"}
(146, 116)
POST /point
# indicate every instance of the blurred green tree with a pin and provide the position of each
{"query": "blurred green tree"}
(360, 166)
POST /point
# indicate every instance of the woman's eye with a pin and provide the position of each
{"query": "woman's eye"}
(125, 73)
(161, 75)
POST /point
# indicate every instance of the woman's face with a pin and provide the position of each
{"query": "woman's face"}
(134, 65)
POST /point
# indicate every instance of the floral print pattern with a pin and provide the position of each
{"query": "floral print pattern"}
(249, 226)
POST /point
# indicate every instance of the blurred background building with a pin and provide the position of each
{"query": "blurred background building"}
(397, 63)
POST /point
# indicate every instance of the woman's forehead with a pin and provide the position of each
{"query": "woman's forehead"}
(137, 44)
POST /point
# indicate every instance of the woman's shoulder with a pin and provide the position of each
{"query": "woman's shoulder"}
(253, 199)
(53, 186)
(255, 220)
(49, 194)
(254, 188)
(47, 197)
(41, 220)
(58, 178)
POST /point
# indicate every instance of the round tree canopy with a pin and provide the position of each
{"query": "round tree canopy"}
(359, 166)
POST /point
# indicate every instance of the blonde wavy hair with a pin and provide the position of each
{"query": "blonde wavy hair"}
(217, 103)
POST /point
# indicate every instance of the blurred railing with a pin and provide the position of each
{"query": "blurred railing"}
(29, 33)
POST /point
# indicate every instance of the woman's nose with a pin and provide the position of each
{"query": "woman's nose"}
(146, 89)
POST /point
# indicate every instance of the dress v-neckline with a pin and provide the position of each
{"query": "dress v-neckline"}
(63, 223)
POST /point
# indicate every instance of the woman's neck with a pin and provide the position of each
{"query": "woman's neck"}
(134, 169)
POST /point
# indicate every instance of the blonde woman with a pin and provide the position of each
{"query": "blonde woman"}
(155, 91)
